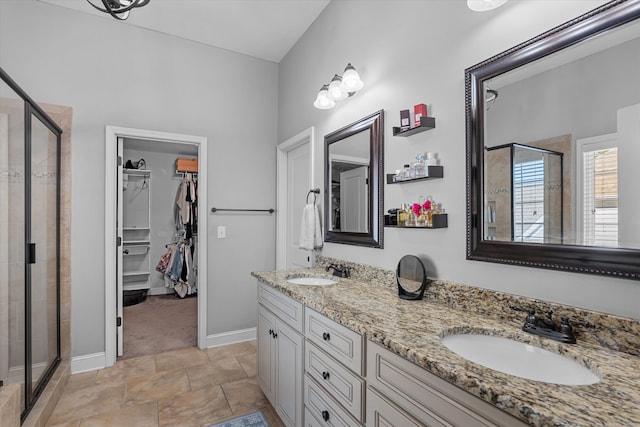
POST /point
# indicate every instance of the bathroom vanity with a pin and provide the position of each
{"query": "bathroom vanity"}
(362, 356)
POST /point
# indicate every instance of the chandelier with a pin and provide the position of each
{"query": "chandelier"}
(119, 9)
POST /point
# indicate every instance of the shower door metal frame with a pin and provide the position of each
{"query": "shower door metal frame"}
(31, 109)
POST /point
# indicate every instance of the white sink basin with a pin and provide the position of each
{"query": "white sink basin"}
(312, 281)
(519, 359)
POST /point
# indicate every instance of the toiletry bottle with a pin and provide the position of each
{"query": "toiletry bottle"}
(406, 172)
(411, 217)
(402, 216)
(419, 166)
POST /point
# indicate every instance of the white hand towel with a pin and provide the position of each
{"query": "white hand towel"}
(310, 230)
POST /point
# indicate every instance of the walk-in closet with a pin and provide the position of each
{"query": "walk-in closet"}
(158, 268)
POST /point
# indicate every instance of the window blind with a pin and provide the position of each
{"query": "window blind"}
(600, 195)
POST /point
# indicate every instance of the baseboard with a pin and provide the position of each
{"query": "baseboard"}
(88, 362)
(231, 337)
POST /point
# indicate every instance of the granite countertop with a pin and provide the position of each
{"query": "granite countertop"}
(413, 329)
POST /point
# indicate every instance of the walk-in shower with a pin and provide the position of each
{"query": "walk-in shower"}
(29, 243)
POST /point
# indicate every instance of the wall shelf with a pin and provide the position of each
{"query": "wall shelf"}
(438, 220)
(426, 123)
(138, 172)
(434, 172)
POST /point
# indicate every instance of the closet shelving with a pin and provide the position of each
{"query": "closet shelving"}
(136, 239)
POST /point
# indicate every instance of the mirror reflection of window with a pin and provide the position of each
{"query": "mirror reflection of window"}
(600, 198)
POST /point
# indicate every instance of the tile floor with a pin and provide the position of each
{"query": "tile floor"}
(188, 387)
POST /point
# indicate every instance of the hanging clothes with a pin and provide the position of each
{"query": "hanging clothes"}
(180, 263)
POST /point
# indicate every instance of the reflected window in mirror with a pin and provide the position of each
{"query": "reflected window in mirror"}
(553, 148)
(353, 183)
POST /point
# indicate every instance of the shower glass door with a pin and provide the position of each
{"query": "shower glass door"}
(12, 224)
(43, 243)
(29, 244)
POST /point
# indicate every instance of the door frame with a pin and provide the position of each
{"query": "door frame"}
(111, 138)
(282, 150)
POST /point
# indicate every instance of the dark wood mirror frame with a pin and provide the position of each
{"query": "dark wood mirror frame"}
(374, 237)
(614, 262)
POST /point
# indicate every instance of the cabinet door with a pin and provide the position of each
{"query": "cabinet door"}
(382, 413)
(289, 359)
(266, 354)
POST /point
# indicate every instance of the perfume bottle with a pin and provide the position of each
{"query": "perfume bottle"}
(419, 166)
(402, 215)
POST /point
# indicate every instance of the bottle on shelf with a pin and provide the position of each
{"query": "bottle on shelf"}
(402, 215)
(419, 167)
(411, 216)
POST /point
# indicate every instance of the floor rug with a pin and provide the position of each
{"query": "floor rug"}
(255, 419)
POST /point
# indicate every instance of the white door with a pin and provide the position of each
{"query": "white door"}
(354, 194)
(298, 186)
(119, 245)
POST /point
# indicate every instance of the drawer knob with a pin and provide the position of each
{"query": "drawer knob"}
(271, 332)
(275, 335)
(326, 336)
(325, 375)
(325, 415)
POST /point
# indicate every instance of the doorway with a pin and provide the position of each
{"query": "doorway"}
(295, 177)
(161, 150)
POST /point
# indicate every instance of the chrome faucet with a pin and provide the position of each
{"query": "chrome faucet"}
(547, 327)
(339, 270)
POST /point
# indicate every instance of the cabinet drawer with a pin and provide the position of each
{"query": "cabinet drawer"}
(322, 407)
(425, 396)
(286, 308)
(340, 342)
(382, 413)
(342, 384)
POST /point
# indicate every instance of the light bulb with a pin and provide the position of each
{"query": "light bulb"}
(351, 81)
(335, 89)
(323, 100)
(484, 5)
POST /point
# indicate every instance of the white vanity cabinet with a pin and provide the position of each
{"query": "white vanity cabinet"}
(334, 365)
(280, 351)
(402, 393)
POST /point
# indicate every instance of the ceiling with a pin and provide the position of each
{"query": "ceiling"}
(265, 29)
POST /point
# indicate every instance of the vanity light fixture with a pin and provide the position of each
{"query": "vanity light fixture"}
(119, 9)
(340, 87)
(484, 5)
(323, 100)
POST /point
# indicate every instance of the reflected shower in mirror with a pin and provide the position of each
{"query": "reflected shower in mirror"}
(553, 148)
(353, 183)
(523, 194)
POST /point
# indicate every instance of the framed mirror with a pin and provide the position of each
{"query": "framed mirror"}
(553, 148)
(353, 171)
